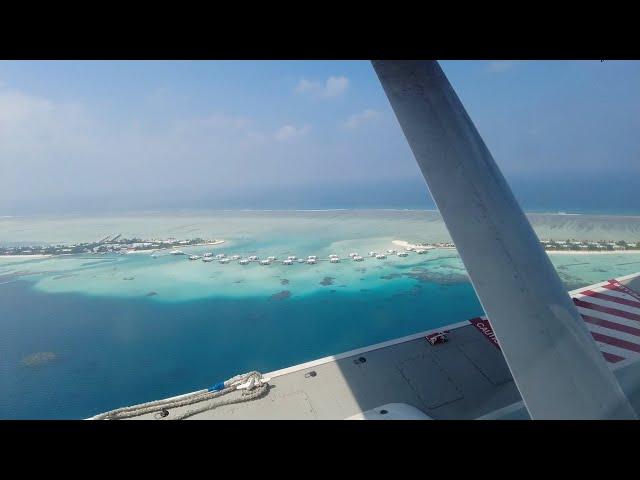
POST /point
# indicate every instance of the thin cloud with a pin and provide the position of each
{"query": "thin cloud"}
(358, 119)
(331, 88)
(287, 132)
(216, 121)
(499, 66)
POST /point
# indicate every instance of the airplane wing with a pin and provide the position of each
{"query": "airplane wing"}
(555, 363)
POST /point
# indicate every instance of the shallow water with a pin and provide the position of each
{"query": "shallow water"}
(84, 334)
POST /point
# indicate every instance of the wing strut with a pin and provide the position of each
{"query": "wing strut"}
(555, 363)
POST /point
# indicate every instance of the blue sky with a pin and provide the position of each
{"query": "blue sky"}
(296, 134)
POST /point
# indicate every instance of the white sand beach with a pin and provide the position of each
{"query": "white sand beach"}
(38, 255)
(404, 244)
(592, 252)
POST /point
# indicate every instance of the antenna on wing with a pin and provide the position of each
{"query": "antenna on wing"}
(555, 363)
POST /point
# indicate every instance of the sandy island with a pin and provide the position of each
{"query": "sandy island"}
(176, 247)
(35, 255)
(592, 252)
(404, 244)
(129, 252)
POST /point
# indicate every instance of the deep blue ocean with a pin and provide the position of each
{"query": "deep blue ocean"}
(116, 352)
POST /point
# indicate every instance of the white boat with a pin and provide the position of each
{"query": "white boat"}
(301, 260)
(235, 257)
(354, 254)
(421, 251)
(194, 257)
(334, 260)
(271, 258)
(312, 257)
(288, 261)
(402, 254)
(207, 259)
(253, 258)
(358, 258)
(224, 261)
(208, 254)
(381, 256)
(220, 255)
(244, 261)
(292, 257)
(265, 262)
(177, 252)
(373, 254)
(391, 252)
(311, 261)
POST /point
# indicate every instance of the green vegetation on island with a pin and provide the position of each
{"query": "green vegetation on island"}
(109, 244)
(589, 245)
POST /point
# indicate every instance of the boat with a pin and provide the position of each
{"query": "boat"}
(265, 262)
(224, 261)
(220, 255)
(334, 260)
(235, 257)
(301, 260)
(292, 257)
(207, 259)
(271, 258)
(421, 251)
(358, 258)
(194, 257)
(381, 256)
(177, 252)
(253, 258)
(288, 261)
(353, 254)
(373, 254)
(208, 254)
(311, 261)
(244, 261)
(392, 252)
(312, 257)
(402, 254)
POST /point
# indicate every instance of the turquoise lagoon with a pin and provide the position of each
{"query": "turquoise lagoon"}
(87, 333)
